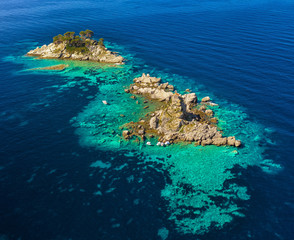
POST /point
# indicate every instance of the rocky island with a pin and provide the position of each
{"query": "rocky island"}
(178, 118)
(77, 47)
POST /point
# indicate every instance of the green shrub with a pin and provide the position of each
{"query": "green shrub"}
(101, 42)
(71, 50)
(77, 43)
(89, 33)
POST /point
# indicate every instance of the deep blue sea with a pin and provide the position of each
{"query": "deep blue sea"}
(65, 175)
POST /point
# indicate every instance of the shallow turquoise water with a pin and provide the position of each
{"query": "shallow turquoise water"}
(200, 190)
(67, 174)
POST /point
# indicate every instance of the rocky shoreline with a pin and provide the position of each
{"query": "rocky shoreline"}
(178, 118)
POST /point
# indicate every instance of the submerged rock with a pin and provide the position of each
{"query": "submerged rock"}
(58, 67)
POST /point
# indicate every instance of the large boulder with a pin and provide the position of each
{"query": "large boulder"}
(190, 99)
(231, 141)
(237, 143)
(205, 99)
(219, 141)
(77, 56)
(144, 91)
(189, 137)
(153, 122)
(65, 54)
(206, 142)
(161, 95)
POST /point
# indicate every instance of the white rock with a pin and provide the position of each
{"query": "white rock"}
(158, 143)
(190, 98)
(205, 99)
(148, 143)
(212, 104)
(105, 102)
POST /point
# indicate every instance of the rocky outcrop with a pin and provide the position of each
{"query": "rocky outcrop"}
(151, 87)
(95, 52)
(126, 134)
(178, 119)
(219, 141)
(154, 122)
(205, 99)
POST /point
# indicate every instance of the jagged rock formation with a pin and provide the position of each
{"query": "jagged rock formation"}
(178, 119)
(151, 87)
(76, 48)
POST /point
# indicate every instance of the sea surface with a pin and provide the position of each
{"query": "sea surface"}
(65, 172)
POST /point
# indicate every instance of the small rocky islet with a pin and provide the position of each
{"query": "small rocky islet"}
(77, 47)
(177, 118)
